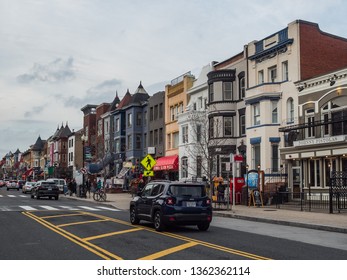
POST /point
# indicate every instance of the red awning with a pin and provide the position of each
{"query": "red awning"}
(166, 163)
(29, 172)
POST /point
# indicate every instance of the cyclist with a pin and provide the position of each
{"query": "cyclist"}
(99, 185)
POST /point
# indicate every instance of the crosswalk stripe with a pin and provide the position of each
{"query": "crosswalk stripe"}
(106, 208)
(11, 195)
(69, 208)
(56, 208)
(28, 208)
(89, 208)
(1, 195)
(22, 195)
(48, 207)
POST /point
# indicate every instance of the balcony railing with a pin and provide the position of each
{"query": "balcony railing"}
(320, 129)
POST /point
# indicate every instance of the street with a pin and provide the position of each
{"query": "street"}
(79, 230)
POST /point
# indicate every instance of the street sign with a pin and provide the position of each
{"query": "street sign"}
(148, 173)
(148, 162)
(236, 158)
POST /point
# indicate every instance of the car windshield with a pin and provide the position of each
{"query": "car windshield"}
(187, 190)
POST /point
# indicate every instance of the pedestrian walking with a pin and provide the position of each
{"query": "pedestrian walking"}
(88, 187)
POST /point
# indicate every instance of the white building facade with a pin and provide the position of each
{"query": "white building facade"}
(193, 130)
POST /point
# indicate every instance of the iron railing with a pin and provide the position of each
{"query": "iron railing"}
(299, 201)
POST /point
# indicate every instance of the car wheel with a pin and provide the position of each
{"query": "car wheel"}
(158, 222)
(203, 226)
(37, 196)
(57, 197)
(134, 220)
(32, 196)
(7, 189)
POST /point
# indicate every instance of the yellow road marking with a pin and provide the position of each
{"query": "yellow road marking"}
(37, 219)
(169, 251)
(216, 247)
(62, 215)
(179, 237)
(85, 244)
(81, 223)
(111, 233)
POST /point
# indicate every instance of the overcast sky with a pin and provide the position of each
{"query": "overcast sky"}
(58, 55)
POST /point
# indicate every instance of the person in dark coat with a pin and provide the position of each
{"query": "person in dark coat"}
(220, 192)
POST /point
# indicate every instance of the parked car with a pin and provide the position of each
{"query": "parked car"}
(28, 186)
(167, 203)
(2, 183)
(45, 189)
(12, 185)
(61, 183)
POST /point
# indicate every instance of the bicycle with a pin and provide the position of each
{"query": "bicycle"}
(100, 195)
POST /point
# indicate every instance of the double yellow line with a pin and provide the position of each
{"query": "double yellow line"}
(104, 254)
(84, 242)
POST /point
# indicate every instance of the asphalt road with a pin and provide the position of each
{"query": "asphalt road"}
(77, 230)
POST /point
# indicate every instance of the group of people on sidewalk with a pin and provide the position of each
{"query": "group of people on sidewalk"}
(82, 190)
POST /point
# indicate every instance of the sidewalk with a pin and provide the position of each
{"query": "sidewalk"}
(336, 222)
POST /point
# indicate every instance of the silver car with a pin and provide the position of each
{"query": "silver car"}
(28, 187)
(12, 184)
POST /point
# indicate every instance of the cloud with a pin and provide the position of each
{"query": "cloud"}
(59, 70)
(34, 111)
(103, 92)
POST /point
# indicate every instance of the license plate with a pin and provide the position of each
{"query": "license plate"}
(49, 189)
(191, 204)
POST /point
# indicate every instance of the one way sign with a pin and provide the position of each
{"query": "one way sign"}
(148, 173)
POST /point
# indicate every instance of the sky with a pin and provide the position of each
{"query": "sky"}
(57, 56)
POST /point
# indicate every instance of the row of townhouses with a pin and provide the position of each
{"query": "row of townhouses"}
(281, 103)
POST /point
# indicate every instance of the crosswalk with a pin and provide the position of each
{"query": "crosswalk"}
(56, 208)
(13, 195)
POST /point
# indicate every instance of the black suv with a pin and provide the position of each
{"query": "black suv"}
(166, 202)
(45, 189)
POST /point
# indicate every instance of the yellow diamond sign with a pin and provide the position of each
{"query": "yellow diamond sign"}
(148, 162)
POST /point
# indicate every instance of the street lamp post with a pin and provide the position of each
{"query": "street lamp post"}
(84, 139)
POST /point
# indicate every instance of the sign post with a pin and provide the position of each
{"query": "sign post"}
(148, 163)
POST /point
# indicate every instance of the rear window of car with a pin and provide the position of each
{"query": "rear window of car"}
(187, 190)
(48, 184)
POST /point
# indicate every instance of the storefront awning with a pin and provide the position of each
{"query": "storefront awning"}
(166, 163)
(28, 173)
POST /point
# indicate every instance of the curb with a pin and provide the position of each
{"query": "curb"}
(281, 222)
(241, 217)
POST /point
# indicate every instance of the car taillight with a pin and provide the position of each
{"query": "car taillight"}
(170, 201)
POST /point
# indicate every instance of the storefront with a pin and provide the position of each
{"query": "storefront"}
(317, 145)
(166, 168)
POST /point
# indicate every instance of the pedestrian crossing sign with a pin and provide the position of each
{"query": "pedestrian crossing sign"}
(148, 173)
(148, 162)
